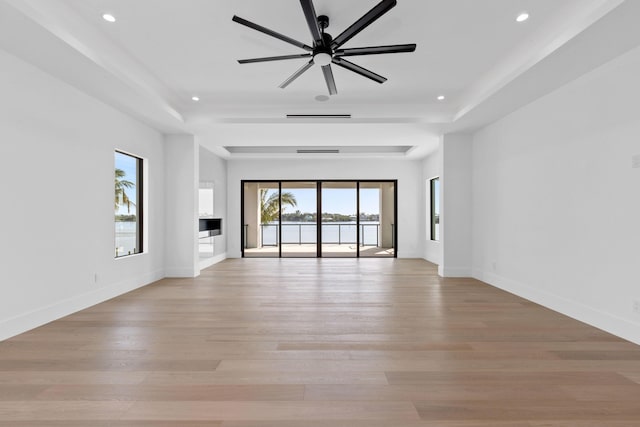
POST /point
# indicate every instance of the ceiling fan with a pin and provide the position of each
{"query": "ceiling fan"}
(326, 50)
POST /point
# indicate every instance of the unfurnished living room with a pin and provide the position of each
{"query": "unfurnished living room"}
(279, 213)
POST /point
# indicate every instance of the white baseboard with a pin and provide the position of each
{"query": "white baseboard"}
(409, 255)
(41, 316)
(432, 260)
(455, 272)
(208, 262)
(180, 273)
(607, 322)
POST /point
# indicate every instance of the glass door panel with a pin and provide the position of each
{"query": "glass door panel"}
(377, 219)
(261, 229)
(338, 221)
(299, 215)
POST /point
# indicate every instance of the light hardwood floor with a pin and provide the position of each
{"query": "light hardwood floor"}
(308, 342)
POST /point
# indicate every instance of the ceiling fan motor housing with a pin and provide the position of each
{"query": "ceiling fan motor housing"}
(323, 55)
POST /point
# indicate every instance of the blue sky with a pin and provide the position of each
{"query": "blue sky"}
(128, 165)
(335, 200)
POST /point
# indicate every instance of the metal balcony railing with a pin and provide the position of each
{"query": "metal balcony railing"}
(332, 233)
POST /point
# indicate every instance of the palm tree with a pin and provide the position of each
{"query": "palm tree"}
(269, 205)
(121, 196)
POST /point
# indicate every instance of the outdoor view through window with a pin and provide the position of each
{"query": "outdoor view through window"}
(435, 209)
(319, 218)
(128, 208)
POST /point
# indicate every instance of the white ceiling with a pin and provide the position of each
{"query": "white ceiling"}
(160, 53)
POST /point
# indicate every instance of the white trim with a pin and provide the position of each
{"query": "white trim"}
(38, 317)
(208, 262)
(607, 322)
(455, 272)
(404, 255)
(180, 273)
(427, 258)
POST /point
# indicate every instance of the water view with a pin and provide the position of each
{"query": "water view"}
(125, 238)
(333, 232)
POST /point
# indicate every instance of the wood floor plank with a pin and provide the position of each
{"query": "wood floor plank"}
(318, 343)
(633, 376)
(301, 411)
(77, 410)
(108, 423)
(603, 411)
(436, 392)
(499, 378)
(111, 365)
(72, 377)
(273, 377)
(172, 392)
(20, 391)
(602, 392)
(373, 423)
(374, 346)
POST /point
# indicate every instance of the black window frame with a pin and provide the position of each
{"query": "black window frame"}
(139, 203)
(434, 216)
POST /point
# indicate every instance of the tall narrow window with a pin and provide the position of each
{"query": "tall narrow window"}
(128, 204)
(435, 209)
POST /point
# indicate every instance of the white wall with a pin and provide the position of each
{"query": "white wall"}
(213, 169)
(407, 172)
(557, 204)
(431, 168)
(56, 165)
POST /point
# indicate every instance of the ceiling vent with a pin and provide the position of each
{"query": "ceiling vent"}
(318, 116)
(328, 151)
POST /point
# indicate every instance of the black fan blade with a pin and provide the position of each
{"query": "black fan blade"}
(271, 33)
(376, 50)
(328, 76)
(312, 21)
(297, 74)
(273, 58)
(358, 69)
(383, 7)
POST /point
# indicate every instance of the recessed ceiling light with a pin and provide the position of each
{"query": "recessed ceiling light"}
(441, 98)
(522, 17)
(109, 17)
(322, 98)
(195, 98)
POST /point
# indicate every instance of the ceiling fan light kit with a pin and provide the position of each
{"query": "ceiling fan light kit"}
(326, 50)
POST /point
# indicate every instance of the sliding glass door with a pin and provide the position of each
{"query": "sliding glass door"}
(298, 219)
(339, 219)
(261, 215)
(377, 219)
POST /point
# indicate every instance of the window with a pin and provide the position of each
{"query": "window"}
(435, 209)
(128, 204)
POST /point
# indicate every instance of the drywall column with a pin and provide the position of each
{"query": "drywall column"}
(432, 168)
(386, 214)
(181, 206)
(251, 215)
(455, 219)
